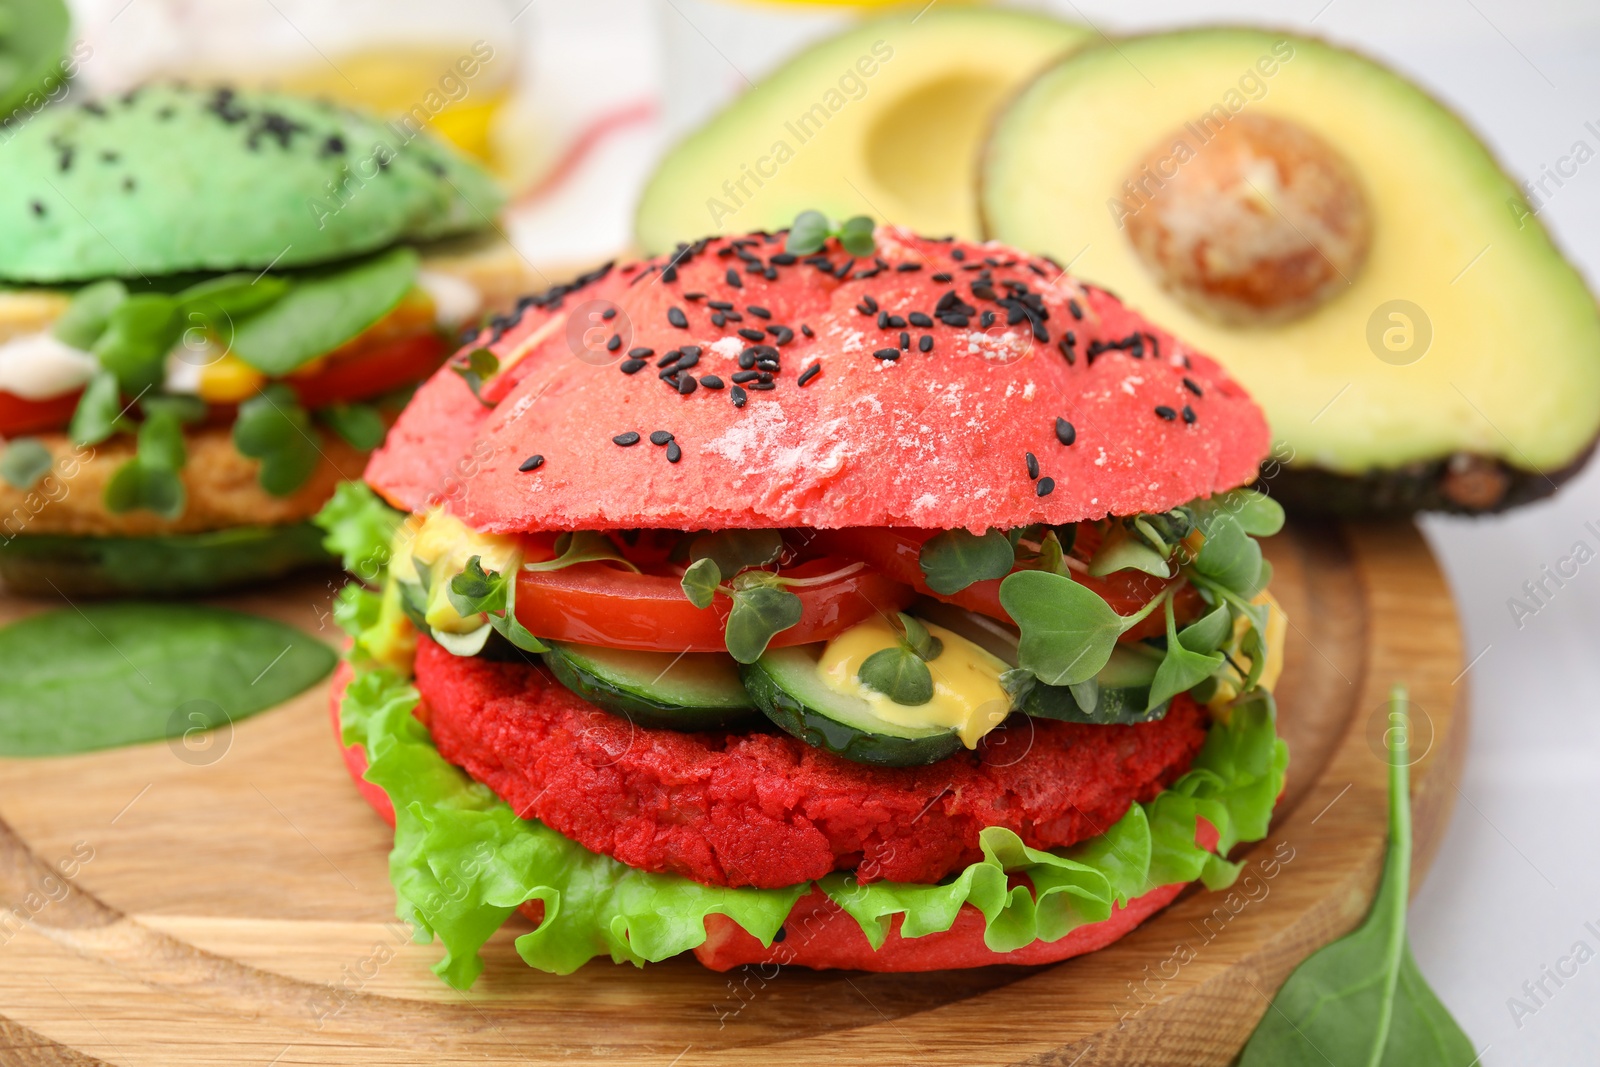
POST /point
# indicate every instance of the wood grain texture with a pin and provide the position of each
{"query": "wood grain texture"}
(235, 906)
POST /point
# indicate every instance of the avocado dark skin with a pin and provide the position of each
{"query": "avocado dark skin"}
(1464, 484)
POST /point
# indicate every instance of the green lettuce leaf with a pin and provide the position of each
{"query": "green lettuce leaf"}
(463, 860)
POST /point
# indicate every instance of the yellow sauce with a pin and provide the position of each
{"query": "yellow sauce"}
(443, 543)
(1277, 630)
(967, 694)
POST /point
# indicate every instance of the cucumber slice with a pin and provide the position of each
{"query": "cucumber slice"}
(785, 684)
(1118, 694)
(694, 691)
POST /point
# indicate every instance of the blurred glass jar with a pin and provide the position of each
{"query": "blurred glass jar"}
(448, 65)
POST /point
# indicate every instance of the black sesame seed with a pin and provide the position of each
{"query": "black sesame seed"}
(758, 311)
(738, 395)
(986, 319)
(740, 377)
(905, 268)
(781, 335)
(1188, 414)
(905, 341)
(38, 208)
(809, 373)
(952, 319)
(1040, 334)
(720, 305)
(660, 437)
(128, 185)
(614, 342)
(1165, 412)
(870, 304)
(752, 335)
(532, 463)
(783, 259)
(747, 359)
(1033, 464)
(670, 358)
(733, 278)
(1066, 433)
(886, 353)
(674, 453)
(694, 296)
(806, 330)
(711, 381)
(1077, 312)
(925, 342)
(1188, 383)
(764, 386)
(940, 277)
(626, 439)
(957, 254)
(1044, 486)
(883, 320)
(676, 316)
(917, 318)
(686, 384)
(718, 319)
(608, 314)
(669, 273)
(896, 322)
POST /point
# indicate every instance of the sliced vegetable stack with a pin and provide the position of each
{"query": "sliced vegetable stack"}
(843, 575)
(211, 305)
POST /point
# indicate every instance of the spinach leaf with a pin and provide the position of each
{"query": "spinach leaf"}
(99, 411)
(919, 640)
(186, 409)
(116, 674)
(323, 310)
(1209, 632)
(361, 425)
(700, 582)
(1255, 512)
(227, 297)
(761, 611)
(150, 480)
(274, 428)
(1068, 632)
(1362, 1000)
(360, 529)
(24, 462)
(581, 546)
(88, 313)
(899, 674)
(475, 368)
(955, 559)
(1181, 668)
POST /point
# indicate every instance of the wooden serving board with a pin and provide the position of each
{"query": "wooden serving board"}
(234, 905)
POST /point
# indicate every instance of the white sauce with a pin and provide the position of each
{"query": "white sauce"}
(37, 366)
(454, 299)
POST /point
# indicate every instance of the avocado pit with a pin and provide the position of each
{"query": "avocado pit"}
(1261, 222)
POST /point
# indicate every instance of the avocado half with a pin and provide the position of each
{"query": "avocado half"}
(1453, 360)
(886, 119)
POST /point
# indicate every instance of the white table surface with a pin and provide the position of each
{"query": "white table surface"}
(1519, 873)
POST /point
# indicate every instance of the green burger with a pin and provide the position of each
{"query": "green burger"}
(211, 304)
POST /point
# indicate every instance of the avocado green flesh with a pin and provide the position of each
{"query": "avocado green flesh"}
(899, 143)
(172, 179)
(697, 691)
(785, 685)
(51, 565)
(1513, 368)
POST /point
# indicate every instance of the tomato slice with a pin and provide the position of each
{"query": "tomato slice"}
(598, 604)
(895, 552)
(19, 415)
(372, 373)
